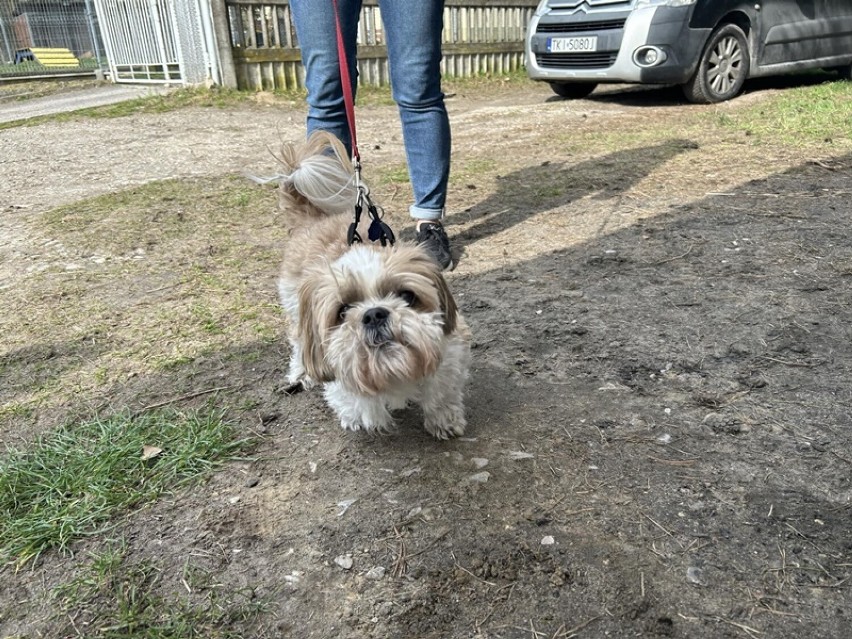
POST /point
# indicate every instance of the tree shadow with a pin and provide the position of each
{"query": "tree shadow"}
(531, 190)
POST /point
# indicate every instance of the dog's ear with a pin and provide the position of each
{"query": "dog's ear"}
(311, 334)
(416, 261)
(448, 304)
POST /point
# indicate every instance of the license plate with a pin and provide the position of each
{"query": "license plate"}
(572, 45)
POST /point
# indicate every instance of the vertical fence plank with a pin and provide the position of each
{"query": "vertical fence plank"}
(479, 36)
(276, 32)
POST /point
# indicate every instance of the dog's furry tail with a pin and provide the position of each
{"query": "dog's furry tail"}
(318, 179)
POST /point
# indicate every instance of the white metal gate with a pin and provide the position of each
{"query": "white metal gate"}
(164, 41)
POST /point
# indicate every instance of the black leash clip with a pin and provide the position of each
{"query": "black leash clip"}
(378, 231)
(352, 235)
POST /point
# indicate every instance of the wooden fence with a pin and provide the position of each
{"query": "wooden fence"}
(479, 36)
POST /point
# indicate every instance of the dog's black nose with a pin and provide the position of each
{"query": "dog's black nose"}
(375, 317)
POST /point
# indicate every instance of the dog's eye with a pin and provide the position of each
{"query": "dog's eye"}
(341, 312)
(408, 297)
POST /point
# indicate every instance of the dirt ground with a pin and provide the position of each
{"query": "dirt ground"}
(659, 438)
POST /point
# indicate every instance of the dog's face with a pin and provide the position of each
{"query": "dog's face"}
(374, 319)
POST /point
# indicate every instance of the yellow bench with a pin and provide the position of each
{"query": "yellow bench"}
(54, 58)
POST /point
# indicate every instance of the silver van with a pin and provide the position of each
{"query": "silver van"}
(708, 47)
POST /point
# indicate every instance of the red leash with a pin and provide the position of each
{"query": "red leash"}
(346, 81)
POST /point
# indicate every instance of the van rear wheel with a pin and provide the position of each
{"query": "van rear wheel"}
(573, 90)
(722, 69)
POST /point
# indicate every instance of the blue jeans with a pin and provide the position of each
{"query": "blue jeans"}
(413, 32)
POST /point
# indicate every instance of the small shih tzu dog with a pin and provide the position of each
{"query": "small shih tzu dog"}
(376, 325)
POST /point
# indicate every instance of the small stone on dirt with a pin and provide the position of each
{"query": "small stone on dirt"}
(375, 573)
(480, 478)
(414, 512)
(724, 424)
(344, 561)
(344, 506)
(694, 575)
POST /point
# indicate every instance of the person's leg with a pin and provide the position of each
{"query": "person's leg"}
(315, 29)
(413, 33)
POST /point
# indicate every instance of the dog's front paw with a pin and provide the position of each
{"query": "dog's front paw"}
(297, 385)
(306, 382)
(369, 426)
(356, 412)
(297, 377)
(300, 381)
(446, 423)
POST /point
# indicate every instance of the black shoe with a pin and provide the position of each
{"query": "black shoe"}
(433, 238)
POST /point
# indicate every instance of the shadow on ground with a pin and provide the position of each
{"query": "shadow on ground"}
(672, 96)
(521, 195)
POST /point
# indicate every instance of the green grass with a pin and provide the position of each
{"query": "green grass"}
(221, 97)
(119, 599)
(214, 97)
(397, 174)
(155, 213)
(71, 482)
(30, 67)
(13, 409)
(797, 116)
(366, 96)
(474, 170)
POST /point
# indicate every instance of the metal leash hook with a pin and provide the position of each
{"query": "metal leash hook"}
(378, 230)
(352, 235)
